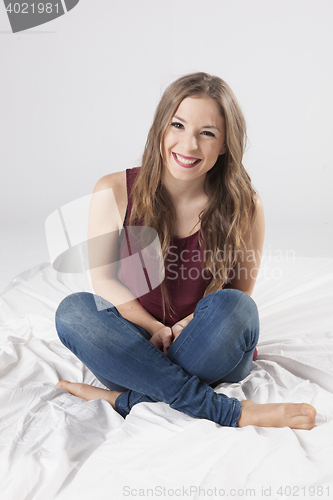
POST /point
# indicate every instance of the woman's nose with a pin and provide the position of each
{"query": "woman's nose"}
(190, 142)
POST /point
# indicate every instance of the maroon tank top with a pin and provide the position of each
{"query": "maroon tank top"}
(185, 278)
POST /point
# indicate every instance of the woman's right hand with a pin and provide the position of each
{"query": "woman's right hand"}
(162, 339)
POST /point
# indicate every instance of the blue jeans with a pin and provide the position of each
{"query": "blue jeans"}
(216, 346)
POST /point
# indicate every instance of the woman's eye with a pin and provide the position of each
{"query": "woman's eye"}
(176, 125)
(210, 134)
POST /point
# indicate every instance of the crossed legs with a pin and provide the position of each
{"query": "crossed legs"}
(217, 345)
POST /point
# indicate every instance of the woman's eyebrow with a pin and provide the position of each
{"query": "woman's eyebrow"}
(211, 126)
(205, 126)
(180, 119)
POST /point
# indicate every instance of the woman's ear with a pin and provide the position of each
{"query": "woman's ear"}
(223, 149)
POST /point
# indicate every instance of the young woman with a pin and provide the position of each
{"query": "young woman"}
(200, 327)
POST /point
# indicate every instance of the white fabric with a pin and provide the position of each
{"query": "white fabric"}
(54, 445)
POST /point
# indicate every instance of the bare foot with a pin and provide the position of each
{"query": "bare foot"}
(293, 415)
(89, 392)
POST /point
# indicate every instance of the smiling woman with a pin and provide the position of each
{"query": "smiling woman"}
(200, 326)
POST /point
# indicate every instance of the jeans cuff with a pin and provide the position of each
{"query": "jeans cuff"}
(126, 400)
(237, 410)
(119, 409)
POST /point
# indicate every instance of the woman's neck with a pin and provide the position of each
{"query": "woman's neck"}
(181, 191)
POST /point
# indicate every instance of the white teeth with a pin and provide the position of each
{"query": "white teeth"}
(185, 162)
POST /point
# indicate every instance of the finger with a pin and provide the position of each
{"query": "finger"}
(177, 330)
(165, 345)
(156, 342)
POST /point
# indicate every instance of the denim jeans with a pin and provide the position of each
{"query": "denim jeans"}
(216, 346)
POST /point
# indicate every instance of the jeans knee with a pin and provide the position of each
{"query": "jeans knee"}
(244, 304)
(68, 305)
(248, 304)
(68, 311)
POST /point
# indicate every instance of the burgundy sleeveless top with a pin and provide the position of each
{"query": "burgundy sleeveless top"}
(185, 278)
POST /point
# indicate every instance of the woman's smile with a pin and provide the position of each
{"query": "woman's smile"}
(185, 161)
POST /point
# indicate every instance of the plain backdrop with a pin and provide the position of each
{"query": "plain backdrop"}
(78, 94)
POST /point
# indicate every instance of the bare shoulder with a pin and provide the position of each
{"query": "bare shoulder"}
(258, 203)
(260, 214)
(116, 181)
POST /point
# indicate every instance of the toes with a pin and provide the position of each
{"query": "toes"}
(63, 384)
(305, 417)
(309, 413)
(72, 387)
(308, 410)
(78, 389)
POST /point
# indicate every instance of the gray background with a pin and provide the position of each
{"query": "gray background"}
(77, 97)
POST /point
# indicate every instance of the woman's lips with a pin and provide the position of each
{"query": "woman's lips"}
(186, 161)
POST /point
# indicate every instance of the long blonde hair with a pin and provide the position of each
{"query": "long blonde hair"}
(230, 210)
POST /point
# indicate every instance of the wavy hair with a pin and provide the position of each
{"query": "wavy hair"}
(230, 210)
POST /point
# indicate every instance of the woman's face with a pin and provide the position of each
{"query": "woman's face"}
(194, 139)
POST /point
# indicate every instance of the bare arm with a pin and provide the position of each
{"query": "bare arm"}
(248, 259)
(107, 210)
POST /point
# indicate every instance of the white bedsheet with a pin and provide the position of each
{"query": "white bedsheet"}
(54, 445)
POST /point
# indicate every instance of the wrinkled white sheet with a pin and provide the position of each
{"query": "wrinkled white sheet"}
(54, 445)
